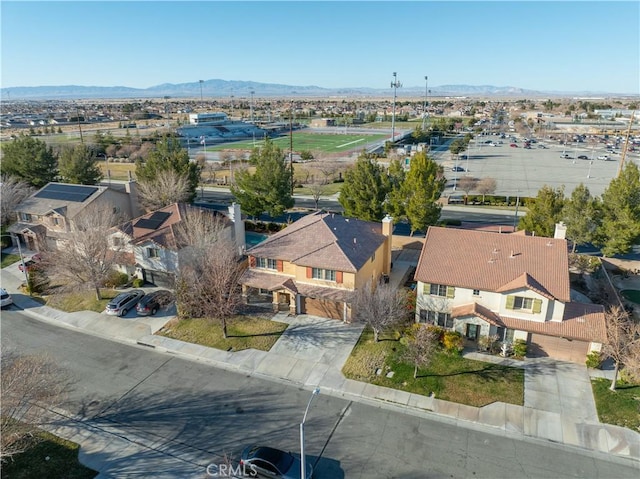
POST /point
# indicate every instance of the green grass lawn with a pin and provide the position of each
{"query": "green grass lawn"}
(621, 407)
(8, 259)
(325, 142)
(243, 332)
(450, 377)
(81, 300)
(62, 461)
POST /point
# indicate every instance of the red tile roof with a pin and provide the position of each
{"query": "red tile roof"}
(492, 261)
(581, 321)
(324, 240)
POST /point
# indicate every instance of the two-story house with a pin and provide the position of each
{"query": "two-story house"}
(153, 245)
(313, 265)
(512, 286)
(46, 217)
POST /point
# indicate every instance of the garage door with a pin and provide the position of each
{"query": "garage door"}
(323, 308)
(558, 348)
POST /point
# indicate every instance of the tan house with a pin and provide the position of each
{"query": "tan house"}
(512, 286)
(313, 265)
(45, 218)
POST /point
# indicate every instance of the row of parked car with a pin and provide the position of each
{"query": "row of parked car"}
(145, 304)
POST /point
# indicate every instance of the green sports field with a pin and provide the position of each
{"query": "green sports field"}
(324, 142)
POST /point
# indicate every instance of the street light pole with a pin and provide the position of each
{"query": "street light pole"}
(201, 81)
(252, 93)
(24, 266)
(303, 462)
(426, 96)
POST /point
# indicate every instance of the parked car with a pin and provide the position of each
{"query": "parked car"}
(457, 168)
(604, 157)
(513, 145)
(270, 462)
(583, 157)
(35, 259)
(565, 155)
(121, 304)
(5, 298)
(540, 145)
(151, 303)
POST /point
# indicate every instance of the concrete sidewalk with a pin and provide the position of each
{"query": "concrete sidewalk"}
(558, 407)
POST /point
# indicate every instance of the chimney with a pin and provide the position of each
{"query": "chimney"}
(235, 215)
(561, 231)
(387, 230)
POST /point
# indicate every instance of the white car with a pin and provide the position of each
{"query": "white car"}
(5, 298)
(604, 157)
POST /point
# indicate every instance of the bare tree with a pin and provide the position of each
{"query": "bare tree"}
(12, 191)
(421, 347)
(31, 386)
(467, 184)
(209, 269)
(486, 186)
(328, 169)
(88, 254)
(317, 187)
(623, 340)
(380, 306)
(166, 188)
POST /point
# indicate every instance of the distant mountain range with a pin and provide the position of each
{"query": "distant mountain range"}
(239, 89)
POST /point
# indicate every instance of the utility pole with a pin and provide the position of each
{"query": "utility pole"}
(79, 127)
(395, 84)
(291, 145)
(201, 81)
(626, 143)
(426, 96)
(252, 93)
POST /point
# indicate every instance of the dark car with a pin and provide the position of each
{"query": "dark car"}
(270, 462)
(583, 157)
(121, 304)
(513, 145)
(457, 168)
(151, 303)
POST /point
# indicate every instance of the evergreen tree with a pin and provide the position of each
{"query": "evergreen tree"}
(30, 160)
(544, 212)
(364, 189)
(79, 165)
(396, 200)
(422, 188)
(620, 227)
(168, 154)
(581, 215)
(268, 189)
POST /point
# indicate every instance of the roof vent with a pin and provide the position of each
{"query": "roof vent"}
(512, 255)
(549, 243)
(491, 260)
(580, 320)
(495, 251)
(354, 241)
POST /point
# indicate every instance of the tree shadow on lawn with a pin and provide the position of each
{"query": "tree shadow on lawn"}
(491, 372)
(256, 335)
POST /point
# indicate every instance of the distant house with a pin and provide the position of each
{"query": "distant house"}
(153, 246)
(313, 265)
(511, 286)
(46, 217)
(322, 122)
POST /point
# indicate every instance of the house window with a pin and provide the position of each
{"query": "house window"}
(476, 292)
(26, 217)
(266, 263)
(324, 274)
(438, 290)
(436, 317)
(153, 252)
(521, 303)
(56, 221)
(373, 257)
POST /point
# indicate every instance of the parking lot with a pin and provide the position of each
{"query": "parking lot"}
(521, 171)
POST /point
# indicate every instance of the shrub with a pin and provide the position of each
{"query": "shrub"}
(137, 282)
(593, 360)
(452, 341)
(520, 348)
(116, 279)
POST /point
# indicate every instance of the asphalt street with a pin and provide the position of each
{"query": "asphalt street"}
(198, 413)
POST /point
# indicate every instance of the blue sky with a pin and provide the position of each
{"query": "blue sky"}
(549, 45)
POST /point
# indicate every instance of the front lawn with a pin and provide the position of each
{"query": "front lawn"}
(81, 300)
(8, 259)
(243, 332)
(450, 376)
(621, 407)
(52, 457)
